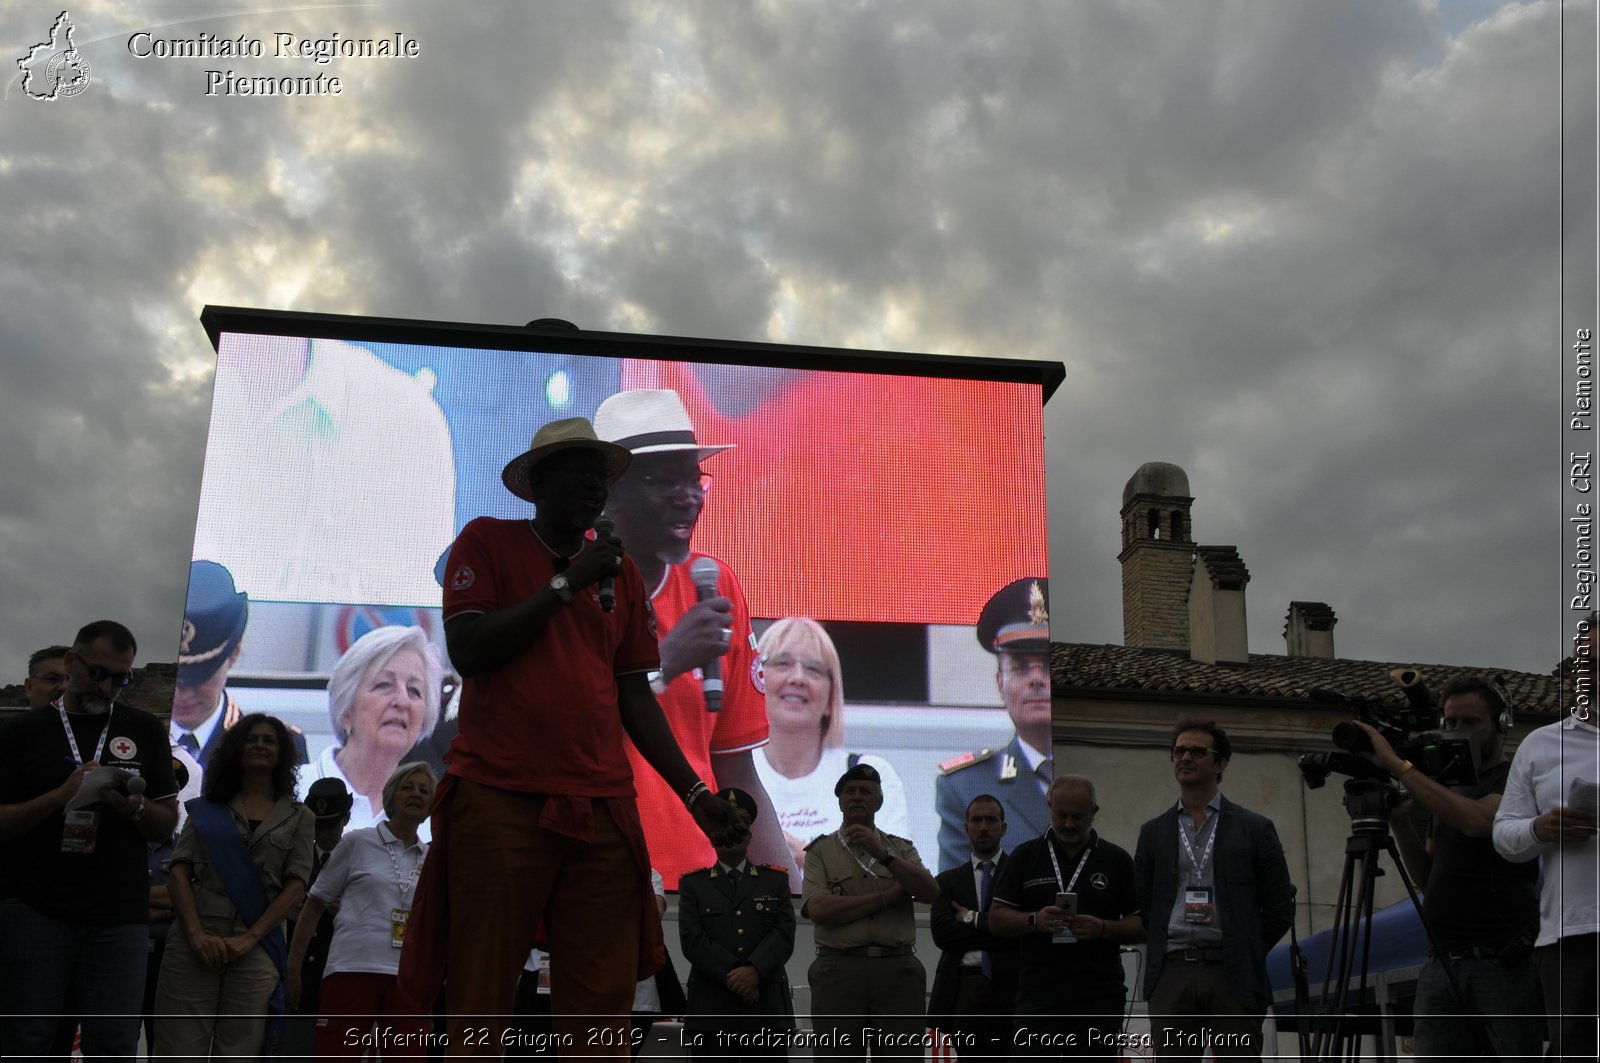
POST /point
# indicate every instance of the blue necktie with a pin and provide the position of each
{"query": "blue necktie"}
(987, 867)
(188, 741)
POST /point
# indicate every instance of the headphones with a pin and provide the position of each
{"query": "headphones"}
(1502, 719)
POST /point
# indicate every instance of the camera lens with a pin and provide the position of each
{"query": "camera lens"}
(1349, 737)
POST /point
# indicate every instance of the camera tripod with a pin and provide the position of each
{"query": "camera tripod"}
(1335, 1031)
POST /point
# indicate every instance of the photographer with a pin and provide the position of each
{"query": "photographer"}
(1482, 909)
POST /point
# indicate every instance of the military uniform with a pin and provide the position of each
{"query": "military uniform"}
(215, 616)
(866, 979)
(729, 921)
(1001, 773)
(1016, 620)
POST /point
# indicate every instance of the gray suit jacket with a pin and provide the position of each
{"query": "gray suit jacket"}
(1255, 899)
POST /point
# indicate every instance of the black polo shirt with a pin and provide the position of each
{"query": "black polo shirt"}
(111, 885)
(1057, 975)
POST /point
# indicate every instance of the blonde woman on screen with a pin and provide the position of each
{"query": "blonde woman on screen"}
(806, 753)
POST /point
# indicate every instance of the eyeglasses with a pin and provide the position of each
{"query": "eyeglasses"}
(673, 483)
(98, 674)
(1196, 752)
(784, 662)
(1011, 664)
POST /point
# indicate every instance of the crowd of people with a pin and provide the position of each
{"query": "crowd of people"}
(593, 720)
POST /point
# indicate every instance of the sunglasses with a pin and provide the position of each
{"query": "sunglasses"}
(1197, 752)
(98, 674)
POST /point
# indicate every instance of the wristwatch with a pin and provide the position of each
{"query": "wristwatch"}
(971, 918)
(562, 589)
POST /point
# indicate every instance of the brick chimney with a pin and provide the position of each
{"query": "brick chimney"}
(1217, 630)
(1157, 545)
(1308, 630)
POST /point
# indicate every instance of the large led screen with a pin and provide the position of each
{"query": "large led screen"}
(879, 506)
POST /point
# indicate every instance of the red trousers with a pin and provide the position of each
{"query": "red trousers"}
(505, 874)
(357, 1017)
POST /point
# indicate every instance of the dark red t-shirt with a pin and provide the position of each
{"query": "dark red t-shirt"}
(547, 720)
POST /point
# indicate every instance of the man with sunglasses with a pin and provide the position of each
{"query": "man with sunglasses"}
(1214, 892)
(74, 889)
(655, 505)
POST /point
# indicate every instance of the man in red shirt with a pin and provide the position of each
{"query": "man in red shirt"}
(656, 504)
(536, 823)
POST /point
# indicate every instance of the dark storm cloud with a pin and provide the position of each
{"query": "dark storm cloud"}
(1306, 250)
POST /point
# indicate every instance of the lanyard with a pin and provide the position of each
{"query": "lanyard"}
(1084, 859)
(405, 885)
(866, 868)
(1199, 865)
(72, 742)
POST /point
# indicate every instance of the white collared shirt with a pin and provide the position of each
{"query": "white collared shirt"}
(1033, 757)
(202, 734)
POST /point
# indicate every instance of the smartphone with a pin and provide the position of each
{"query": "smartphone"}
(1068, 903)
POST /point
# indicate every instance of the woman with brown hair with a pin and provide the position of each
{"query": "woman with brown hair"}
(239, 868)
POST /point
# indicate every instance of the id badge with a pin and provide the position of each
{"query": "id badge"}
(1197, 907)
(79, 831)
(397, 925)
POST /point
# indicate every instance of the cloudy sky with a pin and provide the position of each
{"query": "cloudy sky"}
(1309, 251)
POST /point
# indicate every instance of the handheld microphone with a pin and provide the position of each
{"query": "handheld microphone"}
(605, 528)
(705, 572)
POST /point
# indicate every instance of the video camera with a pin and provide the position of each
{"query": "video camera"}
(1447, 759)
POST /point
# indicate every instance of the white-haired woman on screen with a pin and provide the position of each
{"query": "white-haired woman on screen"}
(383, 696)
(805, 753)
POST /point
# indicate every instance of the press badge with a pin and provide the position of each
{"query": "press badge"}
(1197, 908)
(397, 925)
(79, 831)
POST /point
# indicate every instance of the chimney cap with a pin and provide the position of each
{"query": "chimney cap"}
(1160, 478)
(1317, 616)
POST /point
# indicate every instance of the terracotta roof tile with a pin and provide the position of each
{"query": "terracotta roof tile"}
(1083, 668)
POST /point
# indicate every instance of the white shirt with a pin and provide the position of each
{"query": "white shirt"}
(807, 806)
(1547, 764)
(343, 490)
(361, 814)
(1033, 757)
(370, 872)
(202, 734)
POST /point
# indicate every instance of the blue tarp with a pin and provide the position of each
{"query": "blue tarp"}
(1398, 942)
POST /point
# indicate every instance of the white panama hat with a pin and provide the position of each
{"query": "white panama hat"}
(650, 422)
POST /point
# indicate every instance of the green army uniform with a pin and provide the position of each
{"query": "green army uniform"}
(868, 989)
